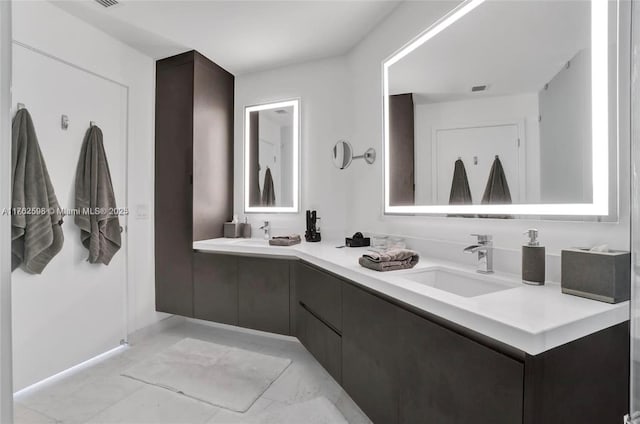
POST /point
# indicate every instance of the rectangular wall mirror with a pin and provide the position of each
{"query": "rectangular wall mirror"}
(505, 108)
(271, 157)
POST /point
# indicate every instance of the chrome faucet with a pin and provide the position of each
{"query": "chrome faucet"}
(485, 253)
(267, 230)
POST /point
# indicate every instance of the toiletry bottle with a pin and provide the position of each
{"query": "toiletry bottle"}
(246, 228)
(533, 260)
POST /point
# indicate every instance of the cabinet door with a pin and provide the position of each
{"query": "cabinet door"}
(324, 343)
(448, 378)
(173, 189)
(215, 287)
(263, 294)
(320, 293)
(369, 344)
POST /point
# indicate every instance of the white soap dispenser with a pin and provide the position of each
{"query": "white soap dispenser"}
(533, 260)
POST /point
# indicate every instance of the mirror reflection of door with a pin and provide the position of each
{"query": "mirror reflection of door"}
(477, 147)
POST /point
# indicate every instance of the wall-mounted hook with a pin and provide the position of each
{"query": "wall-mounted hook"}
(92, 123)
(20, 106)
(64, 122)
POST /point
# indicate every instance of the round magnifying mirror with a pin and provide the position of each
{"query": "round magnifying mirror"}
(342, 154)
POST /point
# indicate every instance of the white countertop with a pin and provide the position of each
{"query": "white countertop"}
(533, 319)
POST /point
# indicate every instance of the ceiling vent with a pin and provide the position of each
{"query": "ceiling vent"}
(107, 3)
(477, 88)
(281, 111)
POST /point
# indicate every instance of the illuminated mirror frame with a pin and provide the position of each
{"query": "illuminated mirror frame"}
(599, 132)
(296, 157)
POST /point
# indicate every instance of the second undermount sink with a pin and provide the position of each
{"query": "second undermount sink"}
(461, 283)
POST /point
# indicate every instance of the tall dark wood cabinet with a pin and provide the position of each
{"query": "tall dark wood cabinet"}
(193, 169)
(402, 153)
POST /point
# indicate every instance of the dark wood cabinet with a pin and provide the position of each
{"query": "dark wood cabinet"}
(263, 294)
(585, 381)
(402, 152)
(193, 169)
(215, 287)
(444, 377)
(369, 353)
(403, 365)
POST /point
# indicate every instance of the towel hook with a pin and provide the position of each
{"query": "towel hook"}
(497, 157)
(20, 106)
(92, 123)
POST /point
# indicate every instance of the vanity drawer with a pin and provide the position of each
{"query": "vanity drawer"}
(321, 341)
(321, 293)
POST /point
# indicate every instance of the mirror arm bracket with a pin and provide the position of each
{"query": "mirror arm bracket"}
(369, 156)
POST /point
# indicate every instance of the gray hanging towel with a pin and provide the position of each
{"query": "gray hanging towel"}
(95, 201)
(497, 190)
(36, 232)
(460, 192)
(268, 191)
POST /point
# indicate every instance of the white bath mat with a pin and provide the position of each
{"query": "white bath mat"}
(219, 375)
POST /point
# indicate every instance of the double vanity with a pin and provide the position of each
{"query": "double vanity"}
(437, 343)
(508, 134)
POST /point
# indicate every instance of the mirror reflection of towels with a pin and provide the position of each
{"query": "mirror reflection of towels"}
(497, 190)
(268, 191)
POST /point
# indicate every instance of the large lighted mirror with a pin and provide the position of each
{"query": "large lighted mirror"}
(271, 146)
(505, 108)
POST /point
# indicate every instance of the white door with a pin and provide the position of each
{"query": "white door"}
(74, 310)
(477, 147)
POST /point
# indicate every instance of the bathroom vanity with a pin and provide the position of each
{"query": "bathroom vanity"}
(408, 352)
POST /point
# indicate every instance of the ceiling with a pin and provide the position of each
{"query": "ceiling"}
(514, 47)
(240, 36)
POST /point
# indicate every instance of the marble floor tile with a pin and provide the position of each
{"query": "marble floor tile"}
(24, 415)
(314, 411)
(153, 405)
(303, 380)
(350, 410)
(210, 372)
(88, 400)
(225, 416)
(99, 394)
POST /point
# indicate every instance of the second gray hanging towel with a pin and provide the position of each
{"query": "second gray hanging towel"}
(497, 190)
(95, 201)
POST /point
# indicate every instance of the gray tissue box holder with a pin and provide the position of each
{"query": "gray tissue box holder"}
(603, 276)
(232, 230)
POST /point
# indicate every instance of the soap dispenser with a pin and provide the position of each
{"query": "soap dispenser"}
(533, 260)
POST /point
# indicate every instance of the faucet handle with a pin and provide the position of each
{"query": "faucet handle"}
(483, 238)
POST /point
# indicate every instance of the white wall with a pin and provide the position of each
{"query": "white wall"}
(324, 89)
(6, 368)
(365, 198)
(45, 27)
(522, 109)
(565, 128)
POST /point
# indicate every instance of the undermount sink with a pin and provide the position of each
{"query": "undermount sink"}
(252, 242)
(459, 282)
